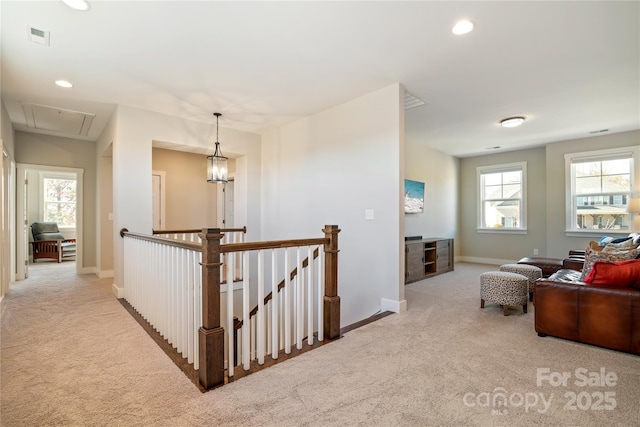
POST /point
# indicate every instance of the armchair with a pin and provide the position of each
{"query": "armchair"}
(48, 242)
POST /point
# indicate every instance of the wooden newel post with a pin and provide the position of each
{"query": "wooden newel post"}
(211, 334)
(331, 298)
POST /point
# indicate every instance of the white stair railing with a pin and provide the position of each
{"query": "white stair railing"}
(163, 283)
(292, 313)
(175, 286)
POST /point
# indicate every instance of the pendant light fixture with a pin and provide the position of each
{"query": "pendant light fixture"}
(217, 170)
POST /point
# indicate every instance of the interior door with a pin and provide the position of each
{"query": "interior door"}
(228, 205)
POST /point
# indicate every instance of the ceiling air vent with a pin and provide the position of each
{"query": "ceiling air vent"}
(412, 101)
(38, 36)
(57, 119)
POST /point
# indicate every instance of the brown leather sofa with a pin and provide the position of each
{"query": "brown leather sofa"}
(567, 308)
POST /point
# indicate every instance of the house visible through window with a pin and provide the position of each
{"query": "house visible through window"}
(601, 184)
(59, 201)
(501, 192)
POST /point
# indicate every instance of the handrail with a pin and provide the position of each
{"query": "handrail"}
(163, 240)
(271, 244)
(199, 230)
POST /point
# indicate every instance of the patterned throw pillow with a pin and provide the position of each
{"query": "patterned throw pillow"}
(619, 247)
(591, 256)
(622, 244)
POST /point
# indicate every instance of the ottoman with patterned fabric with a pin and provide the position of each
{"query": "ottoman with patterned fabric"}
(531, 272)
(505, 289)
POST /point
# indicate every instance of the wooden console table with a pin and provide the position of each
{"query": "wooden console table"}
(427, 257)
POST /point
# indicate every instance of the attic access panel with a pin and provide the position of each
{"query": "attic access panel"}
(57, 119)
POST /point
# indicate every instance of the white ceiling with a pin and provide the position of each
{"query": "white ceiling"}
(570, 67)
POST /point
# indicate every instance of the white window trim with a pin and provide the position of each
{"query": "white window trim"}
(55, 175)
(570, 226)
(522, 166)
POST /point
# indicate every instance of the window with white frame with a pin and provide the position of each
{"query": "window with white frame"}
(599, 185)
(502, 197)
(59, 199)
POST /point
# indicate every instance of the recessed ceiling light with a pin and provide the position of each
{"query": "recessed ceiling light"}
(64, 83)
(462, 27)
(77, 4)
(512, 122)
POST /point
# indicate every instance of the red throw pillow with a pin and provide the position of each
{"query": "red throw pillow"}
(616, 274)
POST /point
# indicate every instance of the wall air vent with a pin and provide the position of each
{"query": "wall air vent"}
(38, 36)
(412, 101)
(57, 119)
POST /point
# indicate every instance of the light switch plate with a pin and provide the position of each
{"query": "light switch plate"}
(368, 214)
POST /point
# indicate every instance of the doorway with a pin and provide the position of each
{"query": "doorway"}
(31, 207)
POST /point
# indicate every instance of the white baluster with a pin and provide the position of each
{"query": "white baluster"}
(197, 319)
(299, 303)
(320, 293)
(190, 326)
(267, 316)
(246, 330)
(260, 345)
(310, 296)
(230, 326)
(287, 303)
(275, 346)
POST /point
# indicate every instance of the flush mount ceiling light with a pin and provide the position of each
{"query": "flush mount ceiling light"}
(64, 83)
(462, 27)
(77, 4)
(512, 122)
(217, 163)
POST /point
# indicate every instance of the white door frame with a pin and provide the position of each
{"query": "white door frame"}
(162, 177)
(221, 204)
(22, 229)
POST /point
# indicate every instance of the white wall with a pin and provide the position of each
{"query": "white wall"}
(501, 248)
(328, 169)
(105, 234)
(439, 172)
(7, 146)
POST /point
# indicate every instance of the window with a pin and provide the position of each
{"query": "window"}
(59, 199)
(502, 196)
(600, 184)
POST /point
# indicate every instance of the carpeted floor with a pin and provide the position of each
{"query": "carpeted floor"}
(72, 355)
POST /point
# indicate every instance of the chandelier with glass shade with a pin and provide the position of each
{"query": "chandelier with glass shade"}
(217, 170)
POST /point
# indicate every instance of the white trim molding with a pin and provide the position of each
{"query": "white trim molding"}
(480, 198)
(104, 274)
(630, 152)
(394, 306)
(118, 292)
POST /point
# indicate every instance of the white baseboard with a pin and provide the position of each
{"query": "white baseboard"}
(87, 270)
(105, 274)
(393, 306)
(118, 292)
(492, 261)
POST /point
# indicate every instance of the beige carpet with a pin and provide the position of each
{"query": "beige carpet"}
(72, 355)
